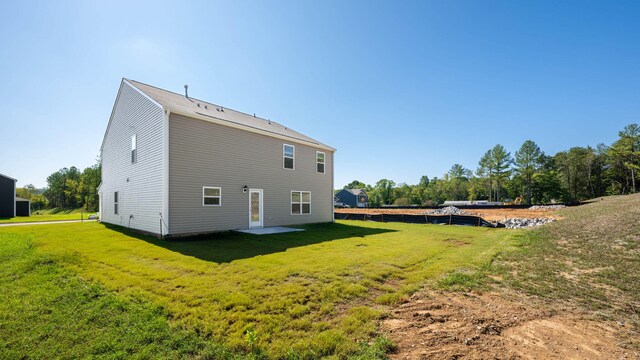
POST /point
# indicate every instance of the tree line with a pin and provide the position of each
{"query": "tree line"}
(67, 188)
(529, 176)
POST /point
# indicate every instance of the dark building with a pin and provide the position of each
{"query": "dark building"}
(7, 196)
(23, 207)
(353, 197)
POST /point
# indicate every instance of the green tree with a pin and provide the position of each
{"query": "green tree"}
(626, 150)
(424, 181)
(355, 184)
(26, 192)
(385, 189)
(485, 171)
(88, 187)
(498, 162)
(528, 160)
(457, 183)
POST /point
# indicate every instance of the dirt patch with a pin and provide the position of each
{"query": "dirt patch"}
(444, 325)
(457, 242)
(487, 214)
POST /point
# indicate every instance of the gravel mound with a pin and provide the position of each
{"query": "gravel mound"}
(547, 207)
(517, 223)
(449, 210)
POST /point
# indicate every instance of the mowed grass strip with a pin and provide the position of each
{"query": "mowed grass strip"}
(297, 295)
(48, 312)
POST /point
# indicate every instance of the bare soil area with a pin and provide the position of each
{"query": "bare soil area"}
(487, 214)
(447, 325)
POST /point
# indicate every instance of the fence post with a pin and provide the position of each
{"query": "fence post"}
(450, 216)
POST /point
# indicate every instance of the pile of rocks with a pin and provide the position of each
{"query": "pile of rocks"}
(518, 223)
(449, 210)
(547, 207)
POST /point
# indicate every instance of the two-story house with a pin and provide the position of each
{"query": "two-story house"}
(353, 197)
(176, 165)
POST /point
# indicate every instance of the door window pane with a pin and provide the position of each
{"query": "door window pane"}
(255, 207)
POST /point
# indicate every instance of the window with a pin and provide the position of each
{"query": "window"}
(134, 149)
(300, 202)
(211, 196)
(288, 155)
(320, 162)
(115, 203)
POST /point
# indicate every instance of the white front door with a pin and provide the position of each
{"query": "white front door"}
(255, 208)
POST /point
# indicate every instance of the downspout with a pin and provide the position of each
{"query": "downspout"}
(165, 183)
(333, 209)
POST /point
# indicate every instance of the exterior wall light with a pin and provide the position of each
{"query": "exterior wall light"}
(245, 188)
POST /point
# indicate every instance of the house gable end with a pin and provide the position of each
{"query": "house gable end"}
(123, 83)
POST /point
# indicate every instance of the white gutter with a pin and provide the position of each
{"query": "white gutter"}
(248, 128)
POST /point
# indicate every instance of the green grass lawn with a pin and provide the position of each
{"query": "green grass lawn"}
(50, 215)
(297, 295)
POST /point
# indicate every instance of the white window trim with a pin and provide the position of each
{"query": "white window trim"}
(134, 147)
(208, 196)
(292, 158)
(324, 162)
(301, 202)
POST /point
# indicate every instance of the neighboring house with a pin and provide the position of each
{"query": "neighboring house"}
(7, 196)
(353, 197)
(175, 165)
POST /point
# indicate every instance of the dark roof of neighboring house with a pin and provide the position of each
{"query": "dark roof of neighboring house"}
(356, 191)
(21, 199)
(189, 106)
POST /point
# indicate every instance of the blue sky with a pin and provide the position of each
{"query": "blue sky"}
(401, 89)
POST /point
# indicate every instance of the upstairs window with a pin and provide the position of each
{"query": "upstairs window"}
(288, 155)
(320, 162)
(211, 196)
(115, 203)
(300, 202)
(134, 149)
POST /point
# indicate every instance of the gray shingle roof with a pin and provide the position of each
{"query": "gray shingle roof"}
(192, 107)
(355, 191)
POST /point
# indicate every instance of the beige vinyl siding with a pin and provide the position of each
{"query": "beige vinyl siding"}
(139, 185)
(206, 154)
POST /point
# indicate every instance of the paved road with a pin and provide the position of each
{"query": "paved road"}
(45, 222)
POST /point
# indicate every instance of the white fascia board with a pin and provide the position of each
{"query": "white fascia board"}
(142, 93)
(223, 122)
(113, 110)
